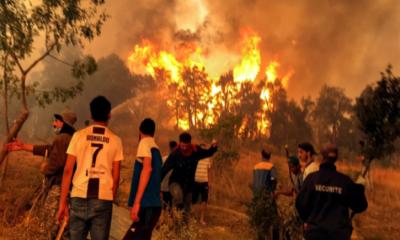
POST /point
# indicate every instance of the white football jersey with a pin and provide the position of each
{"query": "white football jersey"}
(95, 148)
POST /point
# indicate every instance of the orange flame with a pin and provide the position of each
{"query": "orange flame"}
(249, 66)
(145, 58)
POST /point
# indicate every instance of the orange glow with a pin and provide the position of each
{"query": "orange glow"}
(249, 66)
(146, 58)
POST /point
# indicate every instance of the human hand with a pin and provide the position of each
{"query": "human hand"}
(361, 180)
(62, 214)
(16, 145)
(135, 212)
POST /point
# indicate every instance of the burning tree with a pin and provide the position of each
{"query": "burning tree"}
(194, 96)
(59, 23)
(199, 101)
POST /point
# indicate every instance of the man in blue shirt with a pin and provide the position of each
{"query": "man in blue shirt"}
(264, 186)
(144, 197)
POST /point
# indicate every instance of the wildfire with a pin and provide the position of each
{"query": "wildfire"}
(248, 68)
(211, 94)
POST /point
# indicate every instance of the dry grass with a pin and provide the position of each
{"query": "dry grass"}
(380, 219)
(229, 189)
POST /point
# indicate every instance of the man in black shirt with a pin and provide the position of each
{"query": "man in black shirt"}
(183, 163)
(325, 199)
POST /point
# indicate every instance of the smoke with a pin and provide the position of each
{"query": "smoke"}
(343, 43)
(336, 42)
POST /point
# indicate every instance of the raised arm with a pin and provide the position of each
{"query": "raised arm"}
(56, 158)
(202, 153)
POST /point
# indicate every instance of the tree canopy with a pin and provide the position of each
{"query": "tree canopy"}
(378, 113)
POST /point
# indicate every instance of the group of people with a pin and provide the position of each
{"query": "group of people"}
(83, 169)
(325, 200)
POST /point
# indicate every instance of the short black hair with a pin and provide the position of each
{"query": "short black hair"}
(185, 137)
(148, 127)
(308, 147)
(265, 154)
(100, 109)
(172, 144)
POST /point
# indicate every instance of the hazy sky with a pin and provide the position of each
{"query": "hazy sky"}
(339, 42)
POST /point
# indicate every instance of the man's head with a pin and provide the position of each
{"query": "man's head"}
(265, 155)
(147, 127)
(66, 117)
(305, 151)
(185, 143)
(172, 145)
(329, 153)
(294, 164)
(100, 108)
(57, 125)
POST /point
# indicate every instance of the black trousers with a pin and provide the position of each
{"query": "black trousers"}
(143, 229)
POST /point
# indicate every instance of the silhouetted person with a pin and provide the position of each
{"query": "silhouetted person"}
(326, 198)
(183, 162)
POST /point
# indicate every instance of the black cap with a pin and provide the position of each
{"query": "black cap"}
(330, 152)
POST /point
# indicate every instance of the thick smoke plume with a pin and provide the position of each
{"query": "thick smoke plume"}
(342, 43)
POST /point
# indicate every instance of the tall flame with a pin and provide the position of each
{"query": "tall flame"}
(249, 66)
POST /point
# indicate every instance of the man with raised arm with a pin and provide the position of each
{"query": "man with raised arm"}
(183, 163)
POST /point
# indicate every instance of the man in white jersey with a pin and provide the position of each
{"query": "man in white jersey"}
(97, 153)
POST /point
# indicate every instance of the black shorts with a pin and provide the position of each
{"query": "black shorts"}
(200, 192)
(142, 230)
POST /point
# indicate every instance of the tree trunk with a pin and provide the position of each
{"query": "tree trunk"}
(5, 96)
(18, 123)
(367, 167)
(7, 126)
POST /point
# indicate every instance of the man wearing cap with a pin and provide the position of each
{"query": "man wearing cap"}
(53, 164)
(326, 198)
(305, 153)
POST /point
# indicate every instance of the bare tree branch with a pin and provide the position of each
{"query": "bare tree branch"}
(45, 54)
(17, 62)
(60, 60)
